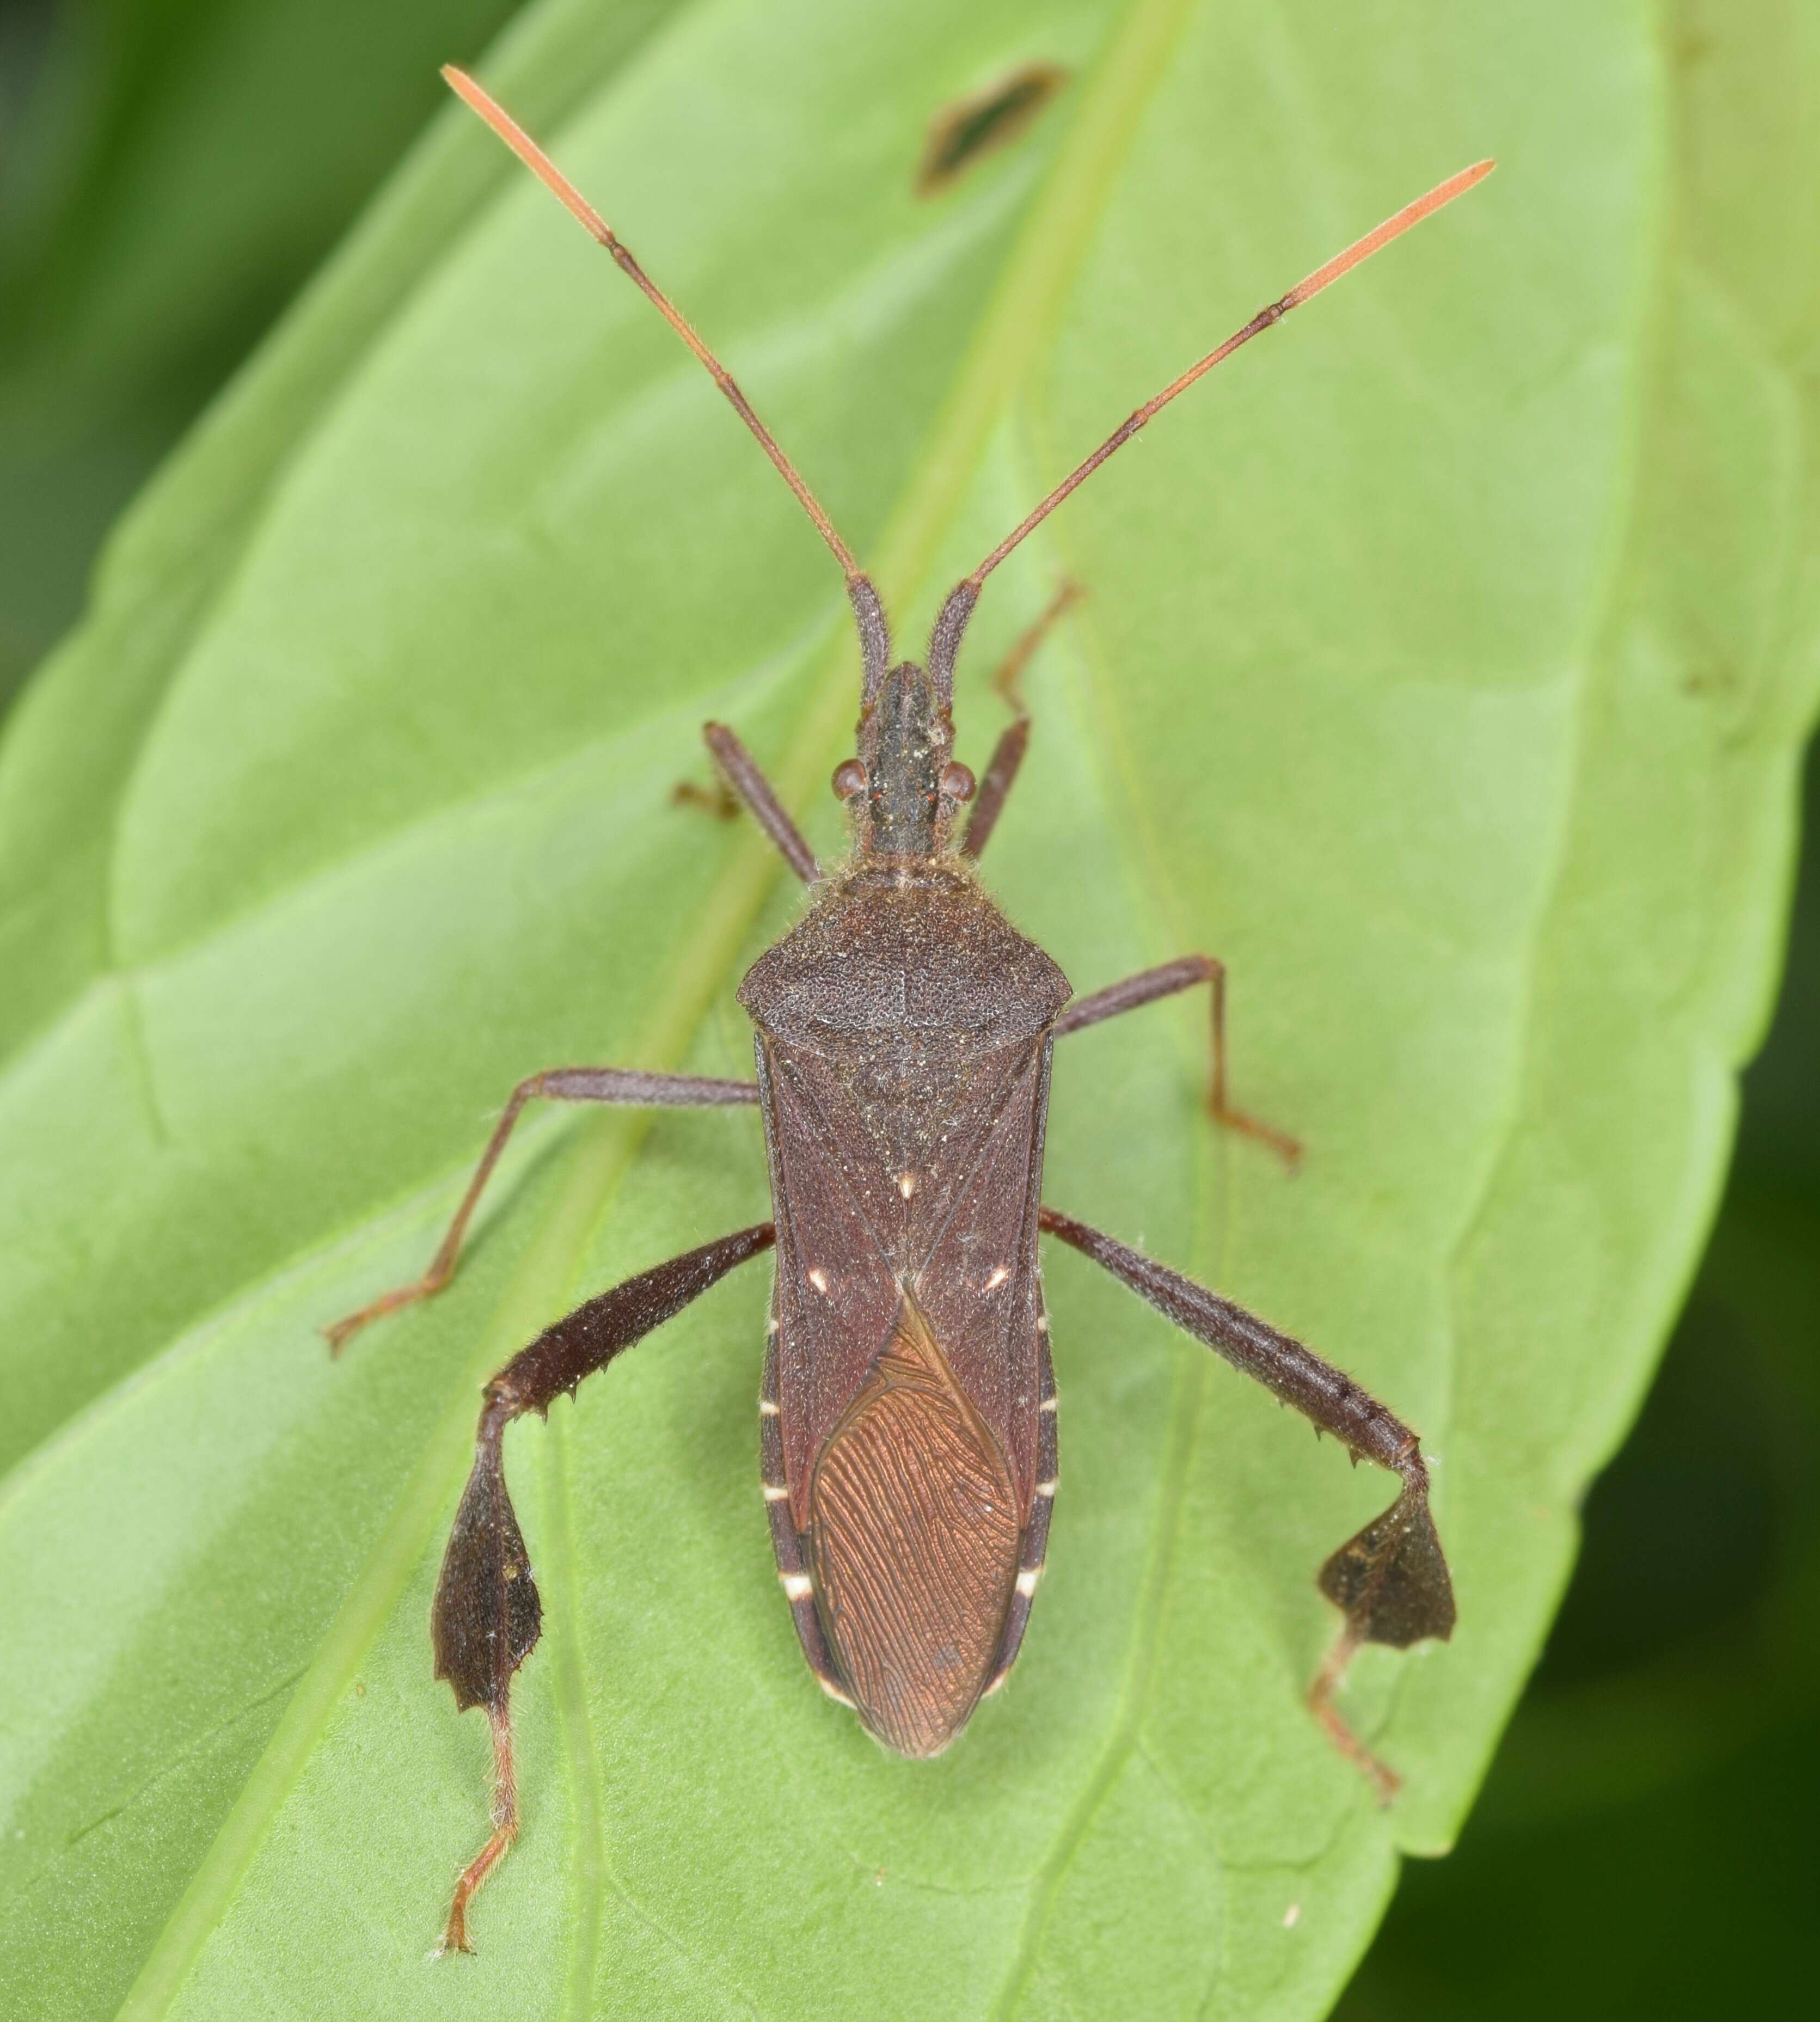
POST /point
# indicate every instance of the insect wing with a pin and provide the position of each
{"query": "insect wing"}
(908, 1372)
(838, 1294)
(859, 1219)
(978, 1283)
(913, 1542)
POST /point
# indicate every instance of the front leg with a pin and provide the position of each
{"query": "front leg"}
(626, 1085)
(486, 1617)
(743, 775)
(1391, 1581)
(1007, 758)
(1166, 980)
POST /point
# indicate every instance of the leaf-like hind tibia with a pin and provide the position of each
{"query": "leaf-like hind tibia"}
(487, 1616)
(1392, 1579)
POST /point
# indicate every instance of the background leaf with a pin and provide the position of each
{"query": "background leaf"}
(1446, 675)
(171, 171)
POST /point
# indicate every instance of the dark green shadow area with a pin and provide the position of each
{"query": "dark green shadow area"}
(136, 273)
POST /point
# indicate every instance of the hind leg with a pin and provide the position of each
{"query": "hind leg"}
(1188, 972)
(1390, 1581)
(486, 1616)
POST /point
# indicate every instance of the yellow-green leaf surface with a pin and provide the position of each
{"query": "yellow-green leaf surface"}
(1443, 667)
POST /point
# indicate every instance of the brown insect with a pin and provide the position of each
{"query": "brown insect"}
(907, 1426)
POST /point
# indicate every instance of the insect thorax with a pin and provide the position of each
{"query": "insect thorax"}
(910, 950)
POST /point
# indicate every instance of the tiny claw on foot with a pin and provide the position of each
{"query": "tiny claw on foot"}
(455, 1932)
(339, 1333)
(1287, 1149)
(717, 801)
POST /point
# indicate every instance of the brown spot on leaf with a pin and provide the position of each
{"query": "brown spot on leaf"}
(960, 134)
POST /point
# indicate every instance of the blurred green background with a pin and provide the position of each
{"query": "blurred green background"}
(1644, 1846)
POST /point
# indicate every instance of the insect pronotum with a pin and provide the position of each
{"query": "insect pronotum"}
(907, 1419)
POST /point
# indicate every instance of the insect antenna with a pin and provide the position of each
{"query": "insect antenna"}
(955, 612)
(874, 640)
(1361, 250)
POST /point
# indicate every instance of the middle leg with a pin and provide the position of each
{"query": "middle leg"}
(1007, 754)
(626, 1085)
(1168, 980)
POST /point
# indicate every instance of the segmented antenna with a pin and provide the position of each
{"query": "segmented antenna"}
(1392, 227)
(540, 164)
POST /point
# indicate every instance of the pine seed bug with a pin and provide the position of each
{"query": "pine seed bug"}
(904, 1034)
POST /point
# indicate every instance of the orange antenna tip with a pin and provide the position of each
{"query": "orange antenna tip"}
(1392, 227)
(476, 95)
(1362, 249)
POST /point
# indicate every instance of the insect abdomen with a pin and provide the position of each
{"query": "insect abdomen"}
(914, 1545)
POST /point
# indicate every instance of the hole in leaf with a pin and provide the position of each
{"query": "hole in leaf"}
(971, 127)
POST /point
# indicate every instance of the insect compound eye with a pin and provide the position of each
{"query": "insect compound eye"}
(849, 778)
(957, 782)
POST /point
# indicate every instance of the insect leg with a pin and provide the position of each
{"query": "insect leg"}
(1006, 756)
(486, 1616)
(743, 775)
(719, 800)
(1167, 980)
(1391, 1581)
(626, 1086)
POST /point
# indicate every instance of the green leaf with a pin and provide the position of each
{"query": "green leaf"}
(1444, 668)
